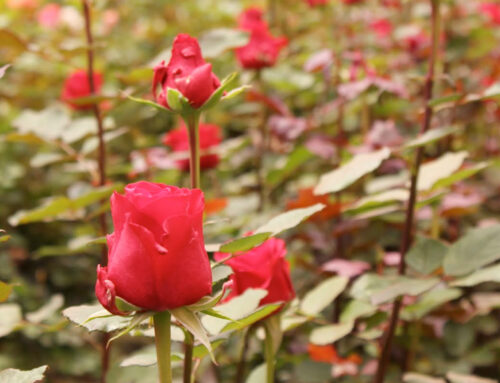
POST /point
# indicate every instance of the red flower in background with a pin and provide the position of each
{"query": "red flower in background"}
(187, 72)
(315, 3)
(263, 267)
(157, 258)
(351, 2)
(382, 28)
(210, 137)
(492, 11)
(49, 16)
(263, 49)
(77, 86)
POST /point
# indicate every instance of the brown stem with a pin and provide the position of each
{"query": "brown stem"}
(101, 161)
(188, 356)
(410, 210)
(98, 116)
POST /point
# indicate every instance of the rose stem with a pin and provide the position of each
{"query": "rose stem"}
(162, 339)
(192, 122)
(410, 210)
(240, 370)
(188, 356)
(269, 354)
(105, 350)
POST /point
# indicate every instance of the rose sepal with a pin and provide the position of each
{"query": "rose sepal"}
(150, 103)
(218, 94)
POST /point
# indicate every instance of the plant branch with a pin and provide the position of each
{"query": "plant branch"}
(101, 162)
(410, 210)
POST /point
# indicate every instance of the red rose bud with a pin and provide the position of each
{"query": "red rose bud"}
(77, 86)
(186, 72)
(210, 137)
(263, 49)
(263, 267)
(156, 259)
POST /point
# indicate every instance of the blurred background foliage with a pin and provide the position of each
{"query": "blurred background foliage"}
(350, 81)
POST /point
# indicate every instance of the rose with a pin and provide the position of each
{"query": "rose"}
(77, 86)
(263, 49)
(186, 72)
(210, 136)
(263, 267)
(157, 259)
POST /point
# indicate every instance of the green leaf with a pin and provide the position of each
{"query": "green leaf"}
(150, 103)
(10, 318)
(136, 320)
(488, 274)
(47, 310)
(147, 355)
(403, 286)
(3, 237)
(366, 285)
(434, 171)
(455, 377)
(48, 124)
(207, 302)
(461, 175)
(445, 100)
(220, 273)
(192, 323)
(412, 377)
(430, 136)
(356, 309)
(216, 41)
(5, 290)
(288, 220)
(317, 299)
(426, 255)
(428, 302)
(376, 201)
(476, 249)
(329, 334)
(11, 375)
(236, 309)
(258, 315)
(235, 92)
(81, 314)
(58, 205)
(245, 243)
(350, 172)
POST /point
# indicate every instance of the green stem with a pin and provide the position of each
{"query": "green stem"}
(269, 353)
(162, 338)
(194, 149)
(188, 356)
